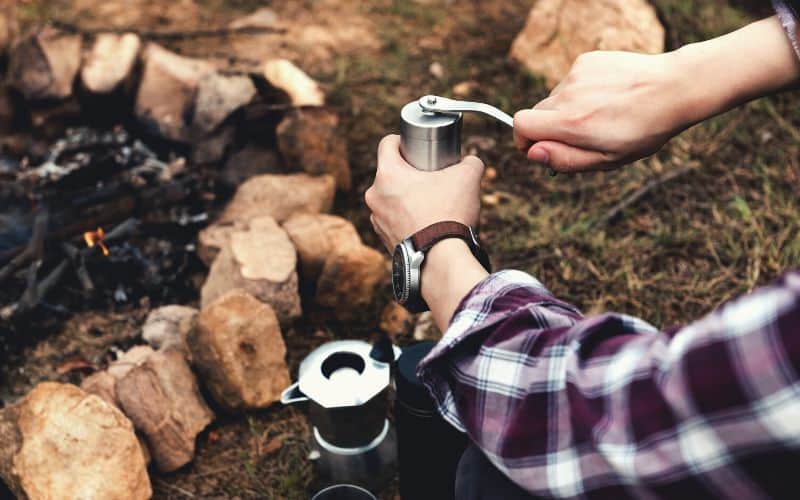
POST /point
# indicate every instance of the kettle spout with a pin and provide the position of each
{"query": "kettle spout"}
(293, 394)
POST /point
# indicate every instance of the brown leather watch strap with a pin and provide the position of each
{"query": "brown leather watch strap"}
(425, 238)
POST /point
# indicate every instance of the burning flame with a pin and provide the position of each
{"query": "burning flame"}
(93, 238)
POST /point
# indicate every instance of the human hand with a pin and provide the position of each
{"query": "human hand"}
(404, 200)
(611, 109)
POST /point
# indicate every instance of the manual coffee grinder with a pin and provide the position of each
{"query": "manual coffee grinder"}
(345, 390)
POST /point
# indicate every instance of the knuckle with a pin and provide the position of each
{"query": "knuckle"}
(369, 197)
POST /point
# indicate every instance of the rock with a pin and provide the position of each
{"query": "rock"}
(396, 320)
(8, 27)
(129, 360)
(60, 442)
(43, 65)
(260, 260)
(218, 97)
(260, 18)
(111, 62)
(318, 236)
(102, 384)
(280, 196)
(168, 326)
(167, 91)
(162, 399)
(349, 280)
(465, 88)
(426, 328)
(238, 349)
(210, 149)
(302, 90)
(213, 238)
(248, 162)
(557, 31)
(309, 139)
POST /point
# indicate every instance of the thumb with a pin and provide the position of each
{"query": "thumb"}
(472, 166)
(564, 158)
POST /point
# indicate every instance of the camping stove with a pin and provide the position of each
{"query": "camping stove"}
(345, 391)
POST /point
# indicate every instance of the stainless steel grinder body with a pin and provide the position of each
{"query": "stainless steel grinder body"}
(429, 141)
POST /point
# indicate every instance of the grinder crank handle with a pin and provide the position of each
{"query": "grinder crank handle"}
(437, 104)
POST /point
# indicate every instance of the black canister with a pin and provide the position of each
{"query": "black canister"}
(428, 447)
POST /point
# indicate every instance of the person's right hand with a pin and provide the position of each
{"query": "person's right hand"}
(611, 109)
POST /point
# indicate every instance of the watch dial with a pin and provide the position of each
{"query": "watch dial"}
(398, 274)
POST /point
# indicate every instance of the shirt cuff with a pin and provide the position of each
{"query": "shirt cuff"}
(489, 303)
(787, 14)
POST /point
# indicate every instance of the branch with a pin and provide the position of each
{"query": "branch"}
(33, 251)
(167, 35)
(617, 210)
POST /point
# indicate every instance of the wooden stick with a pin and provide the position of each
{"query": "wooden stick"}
(168, 35)
(33, 251)
(640, 193)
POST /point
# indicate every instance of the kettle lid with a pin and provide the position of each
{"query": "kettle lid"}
(342, 373)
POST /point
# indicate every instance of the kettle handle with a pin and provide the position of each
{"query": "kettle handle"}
(293, 394)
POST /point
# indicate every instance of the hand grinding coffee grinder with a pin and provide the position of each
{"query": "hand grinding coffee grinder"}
(429, 448)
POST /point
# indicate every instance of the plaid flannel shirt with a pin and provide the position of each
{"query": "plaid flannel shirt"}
(610, 407)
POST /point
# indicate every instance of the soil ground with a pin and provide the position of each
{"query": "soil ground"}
(719, 230)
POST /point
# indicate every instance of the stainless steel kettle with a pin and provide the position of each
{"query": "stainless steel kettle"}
(346, 393)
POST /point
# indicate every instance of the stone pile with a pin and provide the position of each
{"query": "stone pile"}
(273, 240)
(53, 76)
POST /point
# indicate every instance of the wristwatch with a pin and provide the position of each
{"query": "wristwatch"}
(410, 253)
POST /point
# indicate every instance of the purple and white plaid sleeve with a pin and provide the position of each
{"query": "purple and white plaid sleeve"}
(610, 407)
(787, 11)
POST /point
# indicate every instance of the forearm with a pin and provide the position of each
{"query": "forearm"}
(541, 389)
(450, 271)
(724, 72)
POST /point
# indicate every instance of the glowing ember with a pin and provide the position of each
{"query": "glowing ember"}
(93, 238)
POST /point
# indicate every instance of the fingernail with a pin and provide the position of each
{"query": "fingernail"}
(540, 156)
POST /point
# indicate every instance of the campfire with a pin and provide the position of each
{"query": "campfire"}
(117, 162)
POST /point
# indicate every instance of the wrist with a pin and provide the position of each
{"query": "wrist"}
(449, 272)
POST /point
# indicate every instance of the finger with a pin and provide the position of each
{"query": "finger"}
(543, 124)
(473, 165)
(547, 104)
(389, 153)
(521, 142)
(565, 158)
(558, 87)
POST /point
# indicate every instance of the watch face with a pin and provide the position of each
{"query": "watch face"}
(399, 274)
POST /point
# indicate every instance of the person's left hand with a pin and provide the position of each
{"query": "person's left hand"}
(404, 200)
